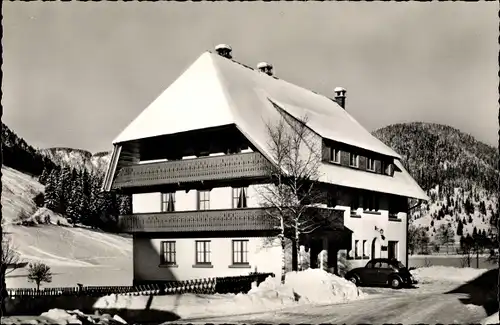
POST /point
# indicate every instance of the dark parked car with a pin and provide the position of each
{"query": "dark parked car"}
(381, 271)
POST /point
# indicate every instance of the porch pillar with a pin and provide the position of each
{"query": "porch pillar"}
(324, 253)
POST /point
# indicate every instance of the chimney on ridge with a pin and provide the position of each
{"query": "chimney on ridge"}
(340, 96)
(224, 50)
(266, 68)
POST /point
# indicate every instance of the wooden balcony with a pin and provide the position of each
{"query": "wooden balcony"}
(247, 219)
(227, 167)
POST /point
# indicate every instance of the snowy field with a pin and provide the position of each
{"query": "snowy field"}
(75, 255)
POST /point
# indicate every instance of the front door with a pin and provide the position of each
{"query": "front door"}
(392, 249)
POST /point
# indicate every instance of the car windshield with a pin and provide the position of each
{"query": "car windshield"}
(399, 265)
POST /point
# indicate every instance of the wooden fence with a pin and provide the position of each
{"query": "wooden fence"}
(236, 284)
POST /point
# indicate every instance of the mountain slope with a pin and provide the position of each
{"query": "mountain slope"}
(458, 173)
(78, 158)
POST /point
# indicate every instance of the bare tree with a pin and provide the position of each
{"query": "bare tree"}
(10, 261)
(292, 191)
(38, 273)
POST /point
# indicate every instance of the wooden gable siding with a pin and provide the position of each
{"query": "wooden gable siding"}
(344, 158)
(362, 163)
(378, 166)
(325, 152)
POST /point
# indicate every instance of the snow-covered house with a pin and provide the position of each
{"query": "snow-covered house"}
(195, 156)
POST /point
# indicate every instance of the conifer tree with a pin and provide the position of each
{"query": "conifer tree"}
(51, 191)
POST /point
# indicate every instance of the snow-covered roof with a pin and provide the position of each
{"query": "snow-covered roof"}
(215, 91)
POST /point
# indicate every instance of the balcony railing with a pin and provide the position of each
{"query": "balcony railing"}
(218, 220)
(225, 167)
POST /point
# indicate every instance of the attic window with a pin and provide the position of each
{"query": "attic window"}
(335, 155)
(370, 164)
(353, 160)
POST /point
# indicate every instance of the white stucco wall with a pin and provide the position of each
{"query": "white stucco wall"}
(220, 198)
(146, 259)
(363, 228)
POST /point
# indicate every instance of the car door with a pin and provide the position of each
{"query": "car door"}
(383, 272)
(370, 273)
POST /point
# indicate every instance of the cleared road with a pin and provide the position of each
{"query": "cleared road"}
(377, 309)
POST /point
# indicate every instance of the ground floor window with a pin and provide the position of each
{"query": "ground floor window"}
(365, 249)
(356, 250)
(240, 251)
(203, 252)
(392, 249)
(167, 256)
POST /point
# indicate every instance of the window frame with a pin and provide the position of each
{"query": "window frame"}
(203, 197)
(241, 251)
(335, 153)
(235, 196)
(370, 164)
(351, 155)
(206, 252)
(165, 198)
(172, 254)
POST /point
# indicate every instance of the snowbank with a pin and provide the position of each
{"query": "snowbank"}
(493, 319)
(77, 317)
(318, 286)
(446, 274)
(310, 286)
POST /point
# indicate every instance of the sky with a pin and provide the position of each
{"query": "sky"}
(75, 74)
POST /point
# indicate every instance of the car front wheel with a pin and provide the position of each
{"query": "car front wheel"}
(395, 283)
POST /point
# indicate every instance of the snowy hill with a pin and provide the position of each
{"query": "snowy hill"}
(78, 158)
(18, 193)
(73, 253)
(458, 173)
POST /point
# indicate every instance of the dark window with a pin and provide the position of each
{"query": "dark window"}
(371, 202)
(203, 252)
(353, 160)
(335, 155)
(240, 197)
(370, 164)
(167, 202)
(365, 253)
(355, 196)
(203, 200)
(240, 251)
(369, 265)
(356, 250)
(167, 253)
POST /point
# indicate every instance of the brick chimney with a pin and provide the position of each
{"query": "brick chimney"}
(224, 50)
(266, 68)
(340, 96)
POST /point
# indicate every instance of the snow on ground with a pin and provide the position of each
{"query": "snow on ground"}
(436, 274)
(310, 286)
(18, 191)
(493, 319)
(74, 255)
